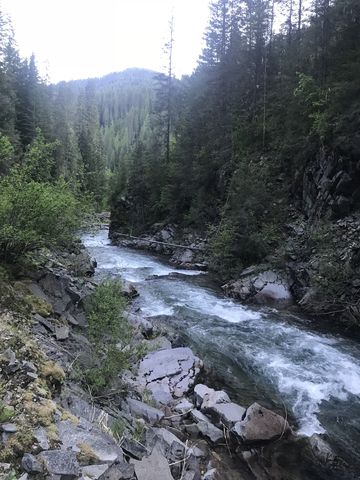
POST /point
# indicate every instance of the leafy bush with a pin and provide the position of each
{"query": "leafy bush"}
(34, 215)
(110, 332)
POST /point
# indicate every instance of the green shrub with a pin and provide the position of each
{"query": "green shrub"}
(34, 215)
(110, 332)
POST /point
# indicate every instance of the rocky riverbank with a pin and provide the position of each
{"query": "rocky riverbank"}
(316, 268)
(155, 421)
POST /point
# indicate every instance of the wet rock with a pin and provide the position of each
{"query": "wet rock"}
(153, 467)
(62, 333)
(129, 290)
(266, 287)
(60, 462)
(260, 425)
(140, 409)
(100, 444)
(30, 464)
(178, 365)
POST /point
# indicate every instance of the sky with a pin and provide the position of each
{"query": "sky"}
(74, 39)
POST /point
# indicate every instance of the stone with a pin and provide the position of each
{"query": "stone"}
(206, 428)
(208, 397)
(144, 325)
(210, 474)
(185, 406)
(60, 462)
(41, 438)
(30, 464)
(260, 425)
(28, 366)
(158, 343)
(133, 448)
(178, 365)
(153, 467)
(140, 409)
(171, 446)
(101, 444)
(129, 290)
(9, 361)
(228, 413)
(119, 471)
(62, 333)
(94, 471)
(8, 427)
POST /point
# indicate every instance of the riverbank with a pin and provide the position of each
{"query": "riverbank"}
(155, 422)
(314, 269)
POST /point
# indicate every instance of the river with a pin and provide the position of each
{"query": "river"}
(260, 355)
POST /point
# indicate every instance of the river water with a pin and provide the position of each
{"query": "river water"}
(259, 354)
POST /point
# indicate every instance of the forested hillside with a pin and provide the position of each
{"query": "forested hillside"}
(264, 144)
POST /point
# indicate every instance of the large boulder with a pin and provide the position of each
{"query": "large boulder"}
(173, 370)
(264, 288)
(140, 409)
(260, 425)
(60, 462)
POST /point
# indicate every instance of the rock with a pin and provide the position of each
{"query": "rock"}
(94, 471)
(129, 290)
(171, 446)
(56, 287)
(29, 366)
(178, 365)
(9, 361)
(62, 333)
(140, 409)
(60, 462)
(83, 265)
(206, 397)
(158, 343)
(30, 464)
(119, 471)
(260, 425)
(100, 444)
(266, 287)
(133, 448)
(206, 428)
(185, 406)
(144, 325)
(210, 474)
(41, 438)
(227, 413)
(153, 467)
(8, 427)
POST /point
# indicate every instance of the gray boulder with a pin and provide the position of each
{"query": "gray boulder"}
(260, 425)
(227, 414)
(62, 333)
(119, 471)
(60, 462)
(153, 467)
(140, 409)
(177, 367)
(207, 398)
(205, 427)
(30, 464)
(101, 444)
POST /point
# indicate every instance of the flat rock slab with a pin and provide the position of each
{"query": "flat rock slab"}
(153, 467)
(101, 444)
(205, 427)
(179, 366)
(228, 413)
(140, 409)
(60, 462)
(260, 425)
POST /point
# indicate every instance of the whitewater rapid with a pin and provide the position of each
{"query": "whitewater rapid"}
(315, 376)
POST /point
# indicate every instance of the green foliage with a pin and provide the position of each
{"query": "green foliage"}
(105, 313)
(35, 215)
(110, 332)
(39, 160)
(6, 154)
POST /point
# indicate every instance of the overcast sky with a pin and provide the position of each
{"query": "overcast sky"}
(88, 38)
